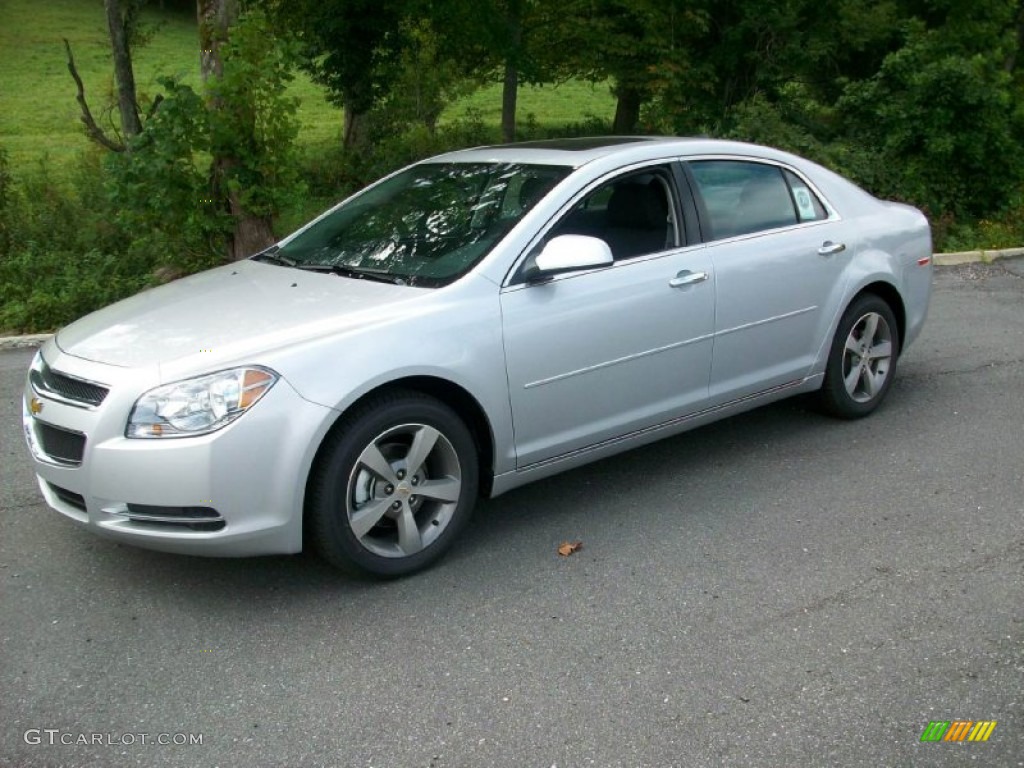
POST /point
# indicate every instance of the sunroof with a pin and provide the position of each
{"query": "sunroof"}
(578, 145)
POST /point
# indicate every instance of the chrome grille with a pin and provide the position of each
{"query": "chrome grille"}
(46, 380)
(61, 445)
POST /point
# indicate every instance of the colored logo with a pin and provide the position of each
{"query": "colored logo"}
(958, 730)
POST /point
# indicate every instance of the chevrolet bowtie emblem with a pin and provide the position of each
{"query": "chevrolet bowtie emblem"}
(35, 405)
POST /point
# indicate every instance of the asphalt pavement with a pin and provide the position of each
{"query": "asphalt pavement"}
(779, 589)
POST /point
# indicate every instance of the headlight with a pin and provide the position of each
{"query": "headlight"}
(200, 405)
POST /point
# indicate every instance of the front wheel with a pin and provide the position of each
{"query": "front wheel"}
(395, 484)
(862, 360)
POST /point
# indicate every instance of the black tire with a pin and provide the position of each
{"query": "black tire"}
(861, 370)
(345, 495)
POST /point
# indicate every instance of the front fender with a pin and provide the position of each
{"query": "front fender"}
(460, 345)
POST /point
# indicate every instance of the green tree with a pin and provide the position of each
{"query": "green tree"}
(251, 120)
(424, 80)
(914, 98)
(517, 42)
(637, 44)
(945, 123)
(124, 34)
(343, 44)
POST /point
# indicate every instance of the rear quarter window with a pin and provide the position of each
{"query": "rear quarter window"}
(808, 206)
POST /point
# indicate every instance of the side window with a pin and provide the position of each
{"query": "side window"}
(742, 197)
(634, 214)
(808, 206)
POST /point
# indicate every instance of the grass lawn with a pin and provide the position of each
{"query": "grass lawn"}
(549, 106)
(39, 117)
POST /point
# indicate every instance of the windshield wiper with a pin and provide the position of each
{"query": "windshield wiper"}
(272, 256)
(356, 274)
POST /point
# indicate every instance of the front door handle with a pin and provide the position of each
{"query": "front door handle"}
(828, 248)
(686, 277)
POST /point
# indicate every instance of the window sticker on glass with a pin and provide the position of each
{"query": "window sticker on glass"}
(807, 204)
(804, 204)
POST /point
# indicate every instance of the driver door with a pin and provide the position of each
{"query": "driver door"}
(598, 354)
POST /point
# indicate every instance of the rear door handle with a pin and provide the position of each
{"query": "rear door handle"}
(686, 277)
(828, 248)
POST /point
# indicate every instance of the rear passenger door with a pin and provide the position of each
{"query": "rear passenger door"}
(779, 254)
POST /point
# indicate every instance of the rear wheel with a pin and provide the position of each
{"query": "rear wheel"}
(394, 486)
(862, 361)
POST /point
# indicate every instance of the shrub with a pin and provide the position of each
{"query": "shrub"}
(935, 120)
(61, 255)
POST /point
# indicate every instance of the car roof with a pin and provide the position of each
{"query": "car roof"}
(577, 152)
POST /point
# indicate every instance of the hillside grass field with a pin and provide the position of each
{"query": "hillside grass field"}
(39, 117)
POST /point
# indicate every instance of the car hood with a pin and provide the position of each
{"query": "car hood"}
(228, 313)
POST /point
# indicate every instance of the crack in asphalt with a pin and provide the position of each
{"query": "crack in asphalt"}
(904, 375)
(1012, 552)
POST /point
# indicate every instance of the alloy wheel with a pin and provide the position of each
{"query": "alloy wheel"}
(403, 490)
(867, 357)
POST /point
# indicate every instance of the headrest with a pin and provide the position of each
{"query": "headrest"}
(637, 206)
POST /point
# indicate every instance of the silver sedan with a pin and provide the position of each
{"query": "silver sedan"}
(466, 325)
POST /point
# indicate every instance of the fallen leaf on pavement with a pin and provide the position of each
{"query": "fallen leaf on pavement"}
(566, 548)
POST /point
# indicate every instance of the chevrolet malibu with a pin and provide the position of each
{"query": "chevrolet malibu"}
(464, 326)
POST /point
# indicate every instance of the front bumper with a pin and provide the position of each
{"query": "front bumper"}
(235, 492)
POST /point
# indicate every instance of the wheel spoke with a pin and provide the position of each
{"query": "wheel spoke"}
(422, 444)
(853, 345)
(881, 351)
(363, 520)
(374, 460)
(409, 539)
(441, 489)
(870, 328)
(872, 382)
(852, 380)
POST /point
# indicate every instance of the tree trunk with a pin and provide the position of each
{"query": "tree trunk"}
(123, 74)
(251, 233)
(509, 96)
(430, 118)
(627, 110)
(215, 16)
(510, 83)
(92, 130)
(355, 129)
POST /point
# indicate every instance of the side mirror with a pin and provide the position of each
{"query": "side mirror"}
(567, 253)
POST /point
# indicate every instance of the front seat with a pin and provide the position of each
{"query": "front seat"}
(637, 220)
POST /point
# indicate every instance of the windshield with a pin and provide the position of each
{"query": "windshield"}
(427, 225)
